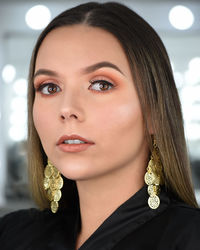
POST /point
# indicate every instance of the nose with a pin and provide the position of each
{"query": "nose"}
(67, 115)
(71, 108)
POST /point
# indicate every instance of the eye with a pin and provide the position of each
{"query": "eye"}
(48, 88)
(102, 85)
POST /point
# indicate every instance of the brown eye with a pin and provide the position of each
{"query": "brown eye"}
(102, 85)
(49, 88)
(52, 89)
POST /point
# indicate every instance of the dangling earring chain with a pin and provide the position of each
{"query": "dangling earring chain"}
(53, 182)
(153, 178)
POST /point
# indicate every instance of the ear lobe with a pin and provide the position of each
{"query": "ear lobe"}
(151, 131)
(149, 125)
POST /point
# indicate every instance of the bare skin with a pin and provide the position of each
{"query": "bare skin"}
(112, 170)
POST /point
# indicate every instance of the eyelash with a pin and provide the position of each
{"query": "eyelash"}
(49, 84)
(93, 82)
(53, 85)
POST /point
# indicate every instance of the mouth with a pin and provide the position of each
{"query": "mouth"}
(73, 143)
(73, 139)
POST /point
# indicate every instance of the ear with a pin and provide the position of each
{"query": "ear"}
(150, 125)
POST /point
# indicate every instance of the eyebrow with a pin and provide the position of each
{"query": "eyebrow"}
(45, 72)
(99, 65)
(87, 70)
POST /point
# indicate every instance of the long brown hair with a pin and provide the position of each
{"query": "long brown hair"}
(153, 78)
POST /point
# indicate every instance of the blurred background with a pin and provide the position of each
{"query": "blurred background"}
(177, 23)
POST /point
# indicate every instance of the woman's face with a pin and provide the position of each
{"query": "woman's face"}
(107, 113)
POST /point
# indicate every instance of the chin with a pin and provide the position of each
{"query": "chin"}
(75, 173)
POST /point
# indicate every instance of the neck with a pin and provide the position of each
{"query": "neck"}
(100, 197)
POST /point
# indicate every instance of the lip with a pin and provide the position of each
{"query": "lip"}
(72, 137)
(73, 147)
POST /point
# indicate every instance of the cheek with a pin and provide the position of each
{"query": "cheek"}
(41, 118)
(37, 116)
(118, 119)
(44, 121)
(120, 133)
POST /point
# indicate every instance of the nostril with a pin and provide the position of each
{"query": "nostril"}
(75, 116)
(63, 117)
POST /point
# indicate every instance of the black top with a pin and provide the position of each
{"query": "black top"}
(132, 226)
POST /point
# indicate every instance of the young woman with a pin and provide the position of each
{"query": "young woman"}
(107, 154)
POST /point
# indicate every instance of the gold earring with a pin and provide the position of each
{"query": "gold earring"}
(154, 178)
(53, 182)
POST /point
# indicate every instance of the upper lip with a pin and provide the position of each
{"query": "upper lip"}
(73, 137)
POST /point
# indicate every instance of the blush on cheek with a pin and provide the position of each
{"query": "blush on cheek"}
(42, 128)
(122, 115)
(41, 112)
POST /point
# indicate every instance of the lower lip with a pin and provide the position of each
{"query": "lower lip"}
(74, 147)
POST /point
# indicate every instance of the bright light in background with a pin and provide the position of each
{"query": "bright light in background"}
(190, 95)
(20, 87)
(194, 64)
(18, 118)
(17, 133)
(181, 17)
(38, 17)
(19, 104)
(179, 79)
(192, 75)
(190, 98)
(192, 114)
(192, 131)
(8, 73)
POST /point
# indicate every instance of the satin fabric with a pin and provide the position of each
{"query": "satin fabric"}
(133, 225)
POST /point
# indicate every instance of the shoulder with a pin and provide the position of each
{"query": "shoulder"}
(27, 213)
(181, 225)
(22, 219)
(183, 212)
(36, 226)
(26, 218)
(23, 215)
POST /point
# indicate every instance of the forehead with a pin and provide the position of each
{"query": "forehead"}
(81, 44)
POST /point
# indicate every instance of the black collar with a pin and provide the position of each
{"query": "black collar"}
(128, 217)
